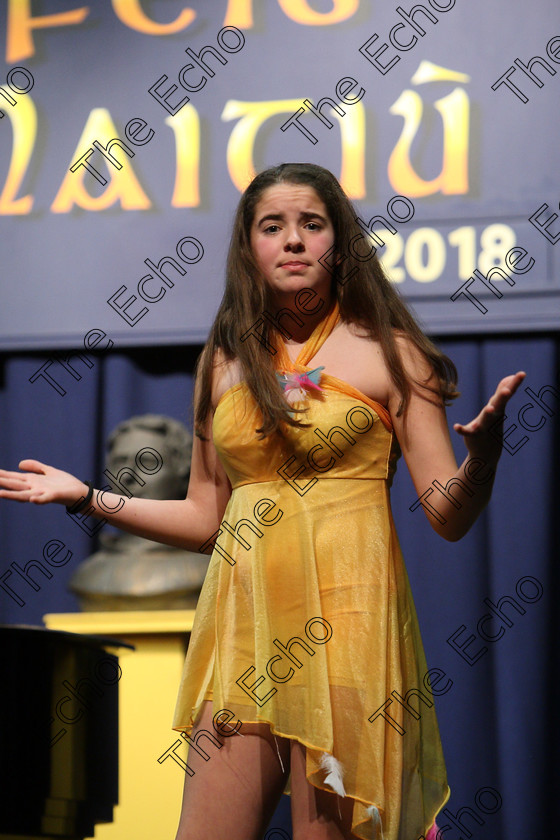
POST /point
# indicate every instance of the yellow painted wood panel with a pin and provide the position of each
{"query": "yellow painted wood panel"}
(149, 793)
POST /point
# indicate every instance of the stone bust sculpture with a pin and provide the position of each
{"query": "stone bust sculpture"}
(129, 572)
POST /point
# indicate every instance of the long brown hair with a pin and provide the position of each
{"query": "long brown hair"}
(368, 299)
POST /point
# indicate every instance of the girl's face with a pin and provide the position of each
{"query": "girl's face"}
(291, 230)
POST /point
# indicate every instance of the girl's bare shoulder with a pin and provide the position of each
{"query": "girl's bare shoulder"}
(225, 374)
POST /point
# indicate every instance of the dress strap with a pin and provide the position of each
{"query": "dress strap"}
(311, 347)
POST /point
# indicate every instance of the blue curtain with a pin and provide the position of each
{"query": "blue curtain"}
(497, 720)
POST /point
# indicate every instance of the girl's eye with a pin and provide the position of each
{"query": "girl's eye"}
(309, 226)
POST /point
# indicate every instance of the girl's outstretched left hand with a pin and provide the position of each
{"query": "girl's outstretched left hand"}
(480, 442)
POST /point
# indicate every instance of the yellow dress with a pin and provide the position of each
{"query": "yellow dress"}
(306, 618)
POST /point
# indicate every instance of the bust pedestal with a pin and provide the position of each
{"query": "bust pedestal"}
(150, 793)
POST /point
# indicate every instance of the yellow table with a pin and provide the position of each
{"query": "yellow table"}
(149, 793)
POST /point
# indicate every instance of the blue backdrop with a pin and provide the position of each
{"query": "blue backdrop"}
(88, 218)
(498, 721)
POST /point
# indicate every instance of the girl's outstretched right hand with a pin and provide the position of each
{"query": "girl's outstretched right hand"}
(41, 484)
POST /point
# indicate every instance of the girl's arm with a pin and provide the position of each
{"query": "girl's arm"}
(186, 523)
(452, 497)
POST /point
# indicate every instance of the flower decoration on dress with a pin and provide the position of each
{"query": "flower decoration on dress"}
(294, 384)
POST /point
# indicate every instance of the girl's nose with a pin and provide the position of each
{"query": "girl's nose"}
(293, 239)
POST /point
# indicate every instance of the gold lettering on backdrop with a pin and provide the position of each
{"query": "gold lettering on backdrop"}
(453, 178)
(240, 12)
(353, 142)
(186, 128)
(132, 14)
(20, 24)
(23, 118)
(429, 72)
(123, 186)
(300, 11)
(252, 115)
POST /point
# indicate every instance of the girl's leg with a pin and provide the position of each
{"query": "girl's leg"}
(234, 793)
(316, 814)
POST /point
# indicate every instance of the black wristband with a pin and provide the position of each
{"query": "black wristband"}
(78, 506)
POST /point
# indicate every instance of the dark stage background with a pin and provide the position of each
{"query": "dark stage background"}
(476, 168)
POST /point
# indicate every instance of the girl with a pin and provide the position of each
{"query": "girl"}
(305, 671)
